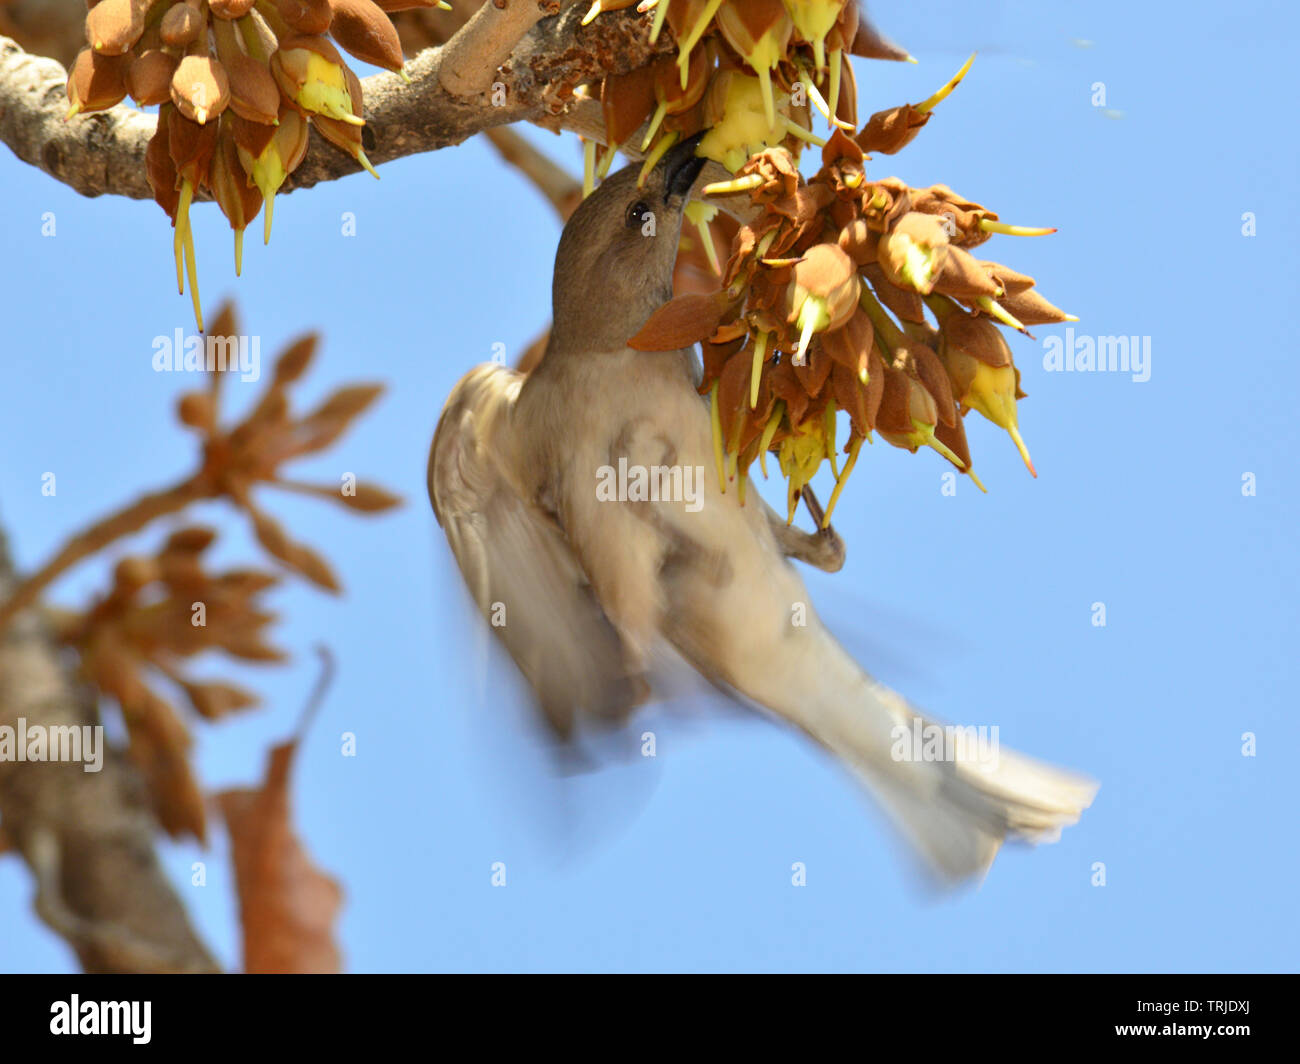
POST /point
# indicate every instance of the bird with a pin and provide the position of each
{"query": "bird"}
(585, 590)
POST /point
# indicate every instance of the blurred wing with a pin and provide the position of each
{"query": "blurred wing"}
(517, 563)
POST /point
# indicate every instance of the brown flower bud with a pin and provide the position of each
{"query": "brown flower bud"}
(884, 202)
(684, 320)
(889, 132)
(215, 700)
(149, 77)
(959, 214)
(929, 370)
(859, 242)
(1029, 308)
(306, 16)
(902, 400)
(181, 25)
(131, 574)
(313, 77)
(912, 253)
(96, 81)
(842, 165)
(344, 135)
(970, 335)
(254, 95)
(200, 88)
(779, 172)
(366, 32)
(1011, 282)
(963, 277)
(870, 43)
(113, 26)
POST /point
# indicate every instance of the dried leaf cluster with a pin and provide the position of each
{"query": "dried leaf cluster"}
(251, 452)
(161, 611)
(137, 644)
(164, 610)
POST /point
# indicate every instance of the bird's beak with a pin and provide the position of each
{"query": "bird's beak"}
(682, 166)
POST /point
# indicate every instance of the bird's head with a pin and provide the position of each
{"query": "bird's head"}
(614, 265)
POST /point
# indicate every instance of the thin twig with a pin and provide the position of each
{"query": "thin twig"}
(323, 683)
(561, 188)
(124, 522)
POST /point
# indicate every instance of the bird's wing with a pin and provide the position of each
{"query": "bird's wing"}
(517, 563)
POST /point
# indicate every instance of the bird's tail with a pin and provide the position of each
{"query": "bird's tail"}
(958, 813)
(955, 793)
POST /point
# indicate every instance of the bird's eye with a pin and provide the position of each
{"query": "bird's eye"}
(636, 214)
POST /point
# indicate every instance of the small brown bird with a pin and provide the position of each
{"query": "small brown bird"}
(540, 483)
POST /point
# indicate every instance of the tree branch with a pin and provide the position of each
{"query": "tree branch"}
(472, 57)
(562, 189)
(88, 837)
(103, 153)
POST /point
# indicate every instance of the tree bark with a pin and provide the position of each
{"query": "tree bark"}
(88, 837)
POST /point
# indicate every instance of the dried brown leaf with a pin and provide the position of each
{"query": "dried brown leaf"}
(287, 906)
(295, 359)
(681, 322)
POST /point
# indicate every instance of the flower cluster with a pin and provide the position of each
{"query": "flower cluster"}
(821, 308)
(237, 83)
(840, 293)
(748, 71)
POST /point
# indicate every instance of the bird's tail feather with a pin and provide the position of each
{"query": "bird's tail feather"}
(958, 799)
(957, 814)
(957, 808)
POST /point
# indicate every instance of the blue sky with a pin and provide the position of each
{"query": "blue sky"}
(983, 613)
